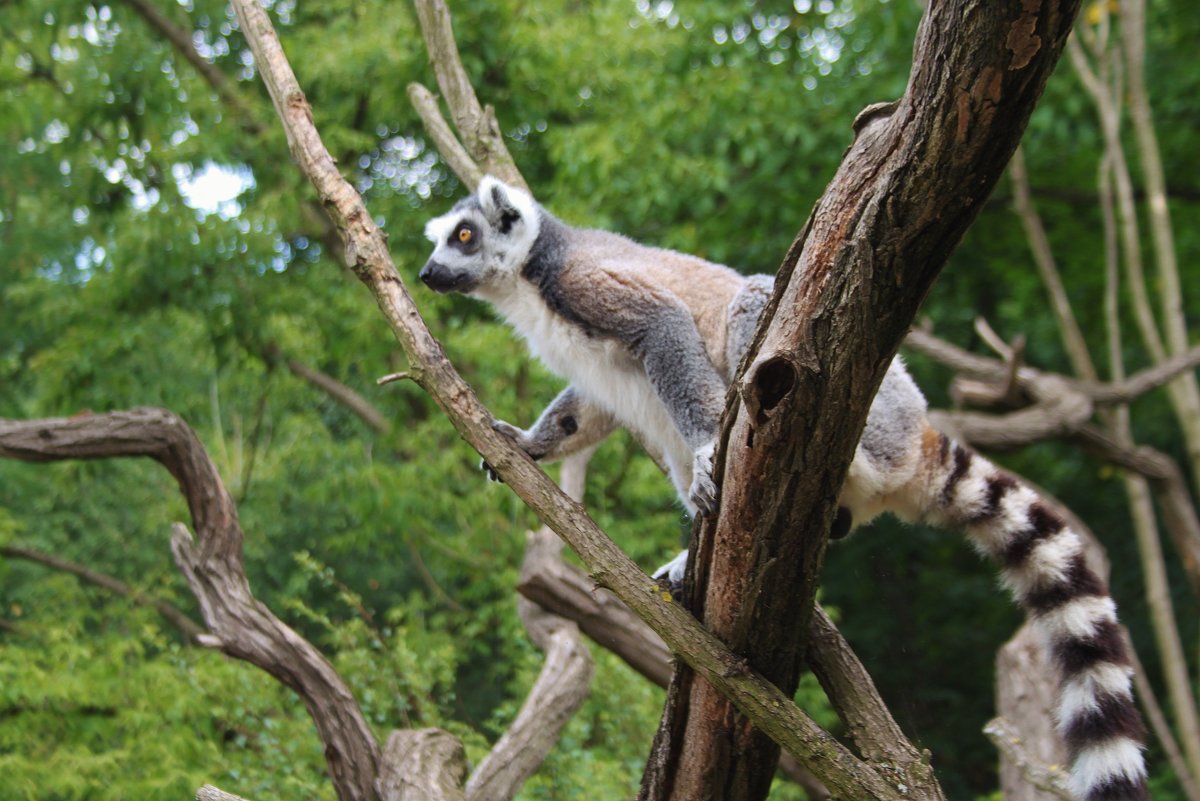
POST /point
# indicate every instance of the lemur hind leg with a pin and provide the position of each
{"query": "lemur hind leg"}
(568, 425)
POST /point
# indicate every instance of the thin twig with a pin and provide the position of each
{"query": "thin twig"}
(181, 40)
(178, 618)
(444, 139)
(342, 394)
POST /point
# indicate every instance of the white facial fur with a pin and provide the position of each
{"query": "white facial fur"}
(507, 222)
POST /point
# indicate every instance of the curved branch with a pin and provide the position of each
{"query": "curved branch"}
(422, 765)
(240, 625)
(562, 685)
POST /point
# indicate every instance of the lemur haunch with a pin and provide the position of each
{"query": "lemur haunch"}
(650, 338)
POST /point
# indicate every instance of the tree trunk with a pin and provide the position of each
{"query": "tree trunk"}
(909, 187)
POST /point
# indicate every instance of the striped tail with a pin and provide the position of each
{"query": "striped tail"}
(1042, 562)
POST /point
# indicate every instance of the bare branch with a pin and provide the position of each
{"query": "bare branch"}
(181, 621)
(1043, 258)
(422, 765)
(1051, 778)
(564, 590)
(342, 394)
(242, 626)
(560, 688)
(852, 691)
(210, 793)
(444, 139)
(181, 40)
(562, 685)
(1009, 431)
(367, 253)
(476, 124)
(1146, 380)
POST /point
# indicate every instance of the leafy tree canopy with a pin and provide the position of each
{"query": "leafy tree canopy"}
(158, 248)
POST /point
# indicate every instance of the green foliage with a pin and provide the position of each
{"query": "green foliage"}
(98, 701)
(710, 127)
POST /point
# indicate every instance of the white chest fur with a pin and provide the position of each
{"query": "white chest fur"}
(600, 368)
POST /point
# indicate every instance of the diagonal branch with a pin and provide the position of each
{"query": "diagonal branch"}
(181, 39)
(177, 617)
(342, 394)
(911, 182)
(443, 138)
(368, 255)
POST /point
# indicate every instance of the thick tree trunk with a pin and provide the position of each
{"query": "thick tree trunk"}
(907, 190)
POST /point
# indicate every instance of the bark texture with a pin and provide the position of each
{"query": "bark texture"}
(368, 256)
(238, 624)
(909, 186)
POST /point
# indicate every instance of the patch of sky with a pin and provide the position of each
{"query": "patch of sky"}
(213, 188)
(405, 165)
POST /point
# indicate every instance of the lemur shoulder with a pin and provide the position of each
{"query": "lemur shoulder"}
(649, 339)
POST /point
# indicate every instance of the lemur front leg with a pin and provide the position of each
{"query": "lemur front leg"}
(683, 377)
(568, 425)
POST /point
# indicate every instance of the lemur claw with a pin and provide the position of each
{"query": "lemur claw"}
(670, 575)
(510, 431)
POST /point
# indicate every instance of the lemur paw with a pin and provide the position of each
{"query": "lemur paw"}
(670, 575)
(510, 431)
(704, 492)
(519, 437)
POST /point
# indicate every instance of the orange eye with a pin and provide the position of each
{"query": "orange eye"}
(464, 235)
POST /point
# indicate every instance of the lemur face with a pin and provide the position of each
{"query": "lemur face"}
(482, 241)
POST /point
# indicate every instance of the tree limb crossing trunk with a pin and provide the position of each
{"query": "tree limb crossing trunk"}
(908, 188)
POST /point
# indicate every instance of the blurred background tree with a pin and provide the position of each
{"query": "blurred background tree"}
(156, 249)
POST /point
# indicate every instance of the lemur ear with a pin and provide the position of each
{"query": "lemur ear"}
(503, 205)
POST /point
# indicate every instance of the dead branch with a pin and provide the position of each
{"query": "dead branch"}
(852, 691)
(1051, 778)
(342, 394)
(181, 39)
(864, 262)
(1062, 418)
(563, 683)
(564, 590)
(240, 625)
(983, 367)
(444, 139)
(422, 765)
(178, 618)
(210, 793)
(476, 123)
(1146, 380)
(1025, 695)
(1043, 258)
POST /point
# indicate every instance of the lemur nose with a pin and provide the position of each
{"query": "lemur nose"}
(426, 273)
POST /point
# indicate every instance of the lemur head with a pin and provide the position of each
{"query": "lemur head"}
(483, 240)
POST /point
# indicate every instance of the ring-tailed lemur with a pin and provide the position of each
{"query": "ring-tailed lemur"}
(650, 338)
